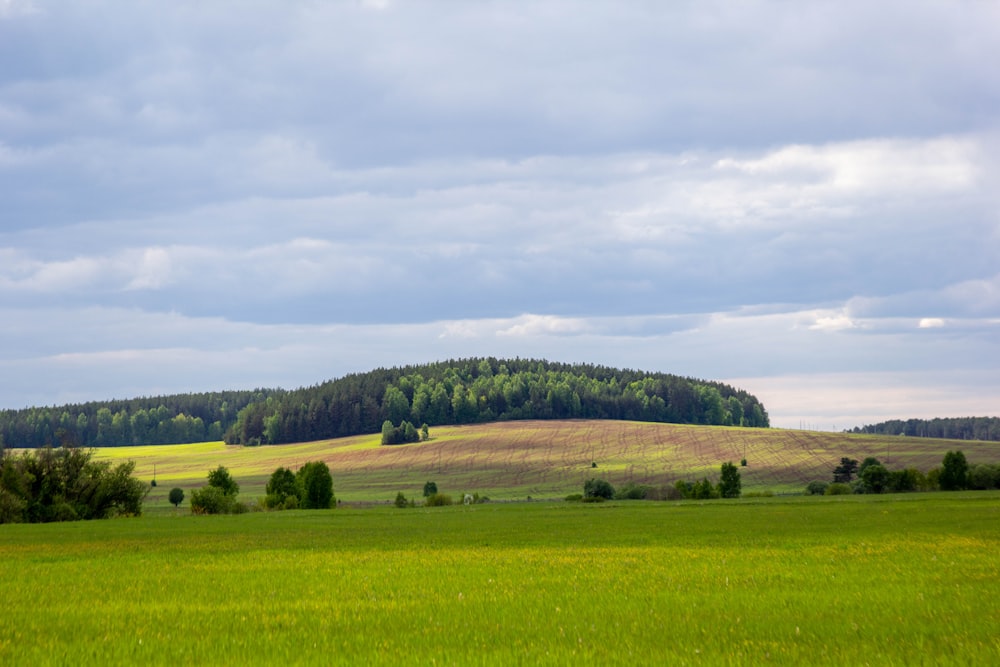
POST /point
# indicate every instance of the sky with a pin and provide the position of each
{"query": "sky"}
(799, 199)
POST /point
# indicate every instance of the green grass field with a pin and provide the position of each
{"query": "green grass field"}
(886, 580)
(543, 459)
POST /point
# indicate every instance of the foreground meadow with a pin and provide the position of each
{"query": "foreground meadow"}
(856, 580)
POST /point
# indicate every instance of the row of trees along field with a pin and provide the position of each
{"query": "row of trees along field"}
(958, 428)
(487, 389)
(158, 420)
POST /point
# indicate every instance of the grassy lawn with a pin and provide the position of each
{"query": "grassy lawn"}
(882, 580)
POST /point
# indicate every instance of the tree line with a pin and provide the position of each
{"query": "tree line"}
(955, 428)
(475, 390)
(162, 420)
(954, 474)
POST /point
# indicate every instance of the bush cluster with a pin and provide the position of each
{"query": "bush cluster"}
(402, 434)
(953, 474)
(437, 500)
(633, 491)
(64, 484)
(218, 496)
(598, 488)
(311, 487)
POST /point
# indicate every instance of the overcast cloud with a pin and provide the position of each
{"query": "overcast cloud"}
(799, 198)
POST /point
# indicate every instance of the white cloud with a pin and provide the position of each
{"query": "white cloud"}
(13, 8)
(833, 322)
(544, 325)
(930, 323)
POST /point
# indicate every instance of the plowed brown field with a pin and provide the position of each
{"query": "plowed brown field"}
(547, 459)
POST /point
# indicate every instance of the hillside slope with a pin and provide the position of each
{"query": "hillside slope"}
(546, 459)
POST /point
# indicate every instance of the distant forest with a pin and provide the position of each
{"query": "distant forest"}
(958, 428)
(451, 392)
(160, 420)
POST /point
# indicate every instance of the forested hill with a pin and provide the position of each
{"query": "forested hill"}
(158, 420)
(450, 392)
(483, 390)
(960, 428)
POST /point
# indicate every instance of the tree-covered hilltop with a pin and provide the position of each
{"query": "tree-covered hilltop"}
(956, 428)
(159, 420)
(449, 392)
(486, 389)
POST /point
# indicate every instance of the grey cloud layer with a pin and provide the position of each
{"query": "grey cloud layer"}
(757, 190)
(623, 235)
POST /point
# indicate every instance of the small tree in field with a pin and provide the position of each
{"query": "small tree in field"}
(875, 478)
(218, 496)
(176, 496)
(430, 488)
(730, 484)
(816, 488)
(869, 461)
(222, 480)
(315, 486)
(280, 487)
(598, 488)
(954, 472)
(843, 473)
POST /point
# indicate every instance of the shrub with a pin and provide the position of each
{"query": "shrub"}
(767, 493)
(633, 491)
(430, 488)
(574, 497)
(211, 500)
(838, 489)
(401, 500)
(64, 484)
(704, 490)
(280, 487)
(903, 480)
(176, 496)
(816, 488)
(594, 499)
(438, 500)
(984, 476)
(665, 492)
(874, 478)
(598, 488)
